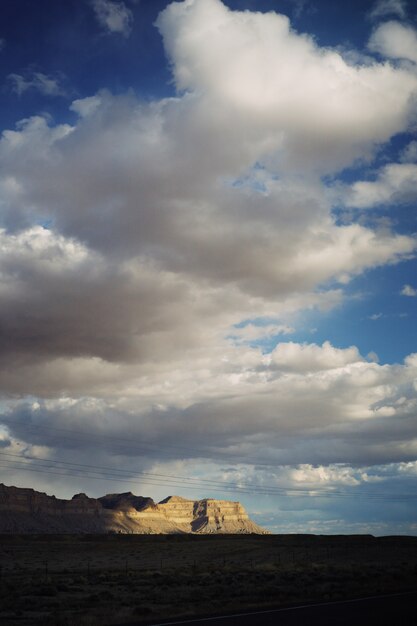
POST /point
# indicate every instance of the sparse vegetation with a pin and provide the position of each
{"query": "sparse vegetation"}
(93, 580)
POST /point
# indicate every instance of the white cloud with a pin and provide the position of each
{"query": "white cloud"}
(311, 404)
(303, 104)
(382, 8)
(86, 106)
(296, 357)
(174, 255)
(160, 247)
(408, 290)
(395, 41)
(46, 85)
(313, 476)
(253, 332)
(31, 135)
(395, 183)
(114, 16)
(231, 239)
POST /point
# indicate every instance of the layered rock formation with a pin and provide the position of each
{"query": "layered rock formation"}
(29, 511)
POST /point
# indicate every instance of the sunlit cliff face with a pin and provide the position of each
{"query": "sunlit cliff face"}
(29, 511)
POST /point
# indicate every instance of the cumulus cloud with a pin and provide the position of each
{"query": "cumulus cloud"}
(86, 106)
(282, 409)
(78, 303)
(269, 76)
(311, 357)
(113, 16)
(254, 332)
(382, 8)
(43, 83)
(395, 41)
(149, 248)
(311, 476)
(408, 290)
(192, 222)
(395, 183)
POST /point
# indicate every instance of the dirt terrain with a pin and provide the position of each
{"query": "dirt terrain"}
(117, 579)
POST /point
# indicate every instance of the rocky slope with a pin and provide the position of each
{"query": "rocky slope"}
(29, 511)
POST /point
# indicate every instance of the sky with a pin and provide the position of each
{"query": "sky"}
(208, 244)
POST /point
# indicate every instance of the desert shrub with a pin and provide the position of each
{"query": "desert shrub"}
(142, 610)
(45, 590)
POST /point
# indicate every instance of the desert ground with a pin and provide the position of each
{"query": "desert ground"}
(118, 579)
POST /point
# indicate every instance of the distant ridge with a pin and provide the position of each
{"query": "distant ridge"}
(29, 511)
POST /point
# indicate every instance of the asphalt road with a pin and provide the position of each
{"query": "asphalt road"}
(393, 610)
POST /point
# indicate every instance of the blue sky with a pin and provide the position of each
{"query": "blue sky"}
(208, 249)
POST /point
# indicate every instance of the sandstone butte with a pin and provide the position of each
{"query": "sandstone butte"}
(30, 511)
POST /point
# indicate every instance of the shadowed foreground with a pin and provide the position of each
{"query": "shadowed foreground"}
(385, 610)
(111, 579)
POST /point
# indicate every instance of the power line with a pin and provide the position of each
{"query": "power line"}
(172, 481)
(132, 447)
(128, 472)
(97, 473)
(189, 481)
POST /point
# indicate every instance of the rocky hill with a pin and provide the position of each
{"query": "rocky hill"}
(30, 511)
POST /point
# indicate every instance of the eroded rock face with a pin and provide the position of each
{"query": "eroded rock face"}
(125, 502)
(29, 511)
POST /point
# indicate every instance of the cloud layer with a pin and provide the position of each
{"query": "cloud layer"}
(149, 248)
